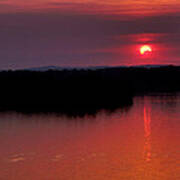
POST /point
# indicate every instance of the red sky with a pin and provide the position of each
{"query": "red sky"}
(88, 32)
(93, 6)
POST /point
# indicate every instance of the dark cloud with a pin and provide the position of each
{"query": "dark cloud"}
(63, 39)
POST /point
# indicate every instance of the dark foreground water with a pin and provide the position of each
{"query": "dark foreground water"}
(139, 143)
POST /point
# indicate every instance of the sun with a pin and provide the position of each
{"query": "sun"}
(145, 49)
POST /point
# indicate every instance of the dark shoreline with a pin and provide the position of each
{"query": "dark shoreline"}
(80, 91)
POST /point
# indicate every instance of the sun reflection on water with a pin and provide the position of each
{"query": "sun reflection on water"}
(147, 133)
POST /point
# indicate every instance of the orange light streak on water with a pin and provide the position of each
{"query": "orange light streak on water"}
(147, 133)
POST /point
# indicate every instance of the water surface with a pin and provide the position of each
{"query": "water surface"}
(141, 142)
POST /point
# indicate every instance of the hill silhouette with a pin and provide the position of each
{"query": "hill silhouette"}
(76, 90)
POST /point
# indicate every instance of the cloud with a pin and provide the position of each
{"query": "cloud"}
(94, 7)
(35, 39)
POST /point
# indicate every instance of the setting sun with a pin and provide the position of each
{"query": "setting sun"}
(145, 49)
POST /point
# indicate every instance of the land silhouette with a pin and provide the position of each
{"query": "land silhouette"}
(83, 90)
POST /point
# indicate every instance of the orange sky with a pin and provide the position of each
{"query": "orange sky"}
(133, 7)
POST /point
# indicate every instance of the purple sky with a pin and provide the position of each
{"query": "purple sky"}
(88, 33)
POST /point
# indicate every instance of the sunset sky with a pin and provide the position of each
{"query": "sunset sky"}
(88, 32)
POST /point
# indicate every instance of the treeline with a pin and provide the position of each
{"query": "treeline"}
(76, 90)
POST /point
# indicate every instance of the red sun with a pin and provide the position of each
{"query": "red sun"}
(145, 49)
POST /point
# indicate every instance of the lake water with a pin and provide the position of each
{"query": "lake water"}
(141, 142)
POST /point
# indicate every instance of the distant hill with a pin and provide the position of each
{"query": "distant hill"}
(58, 68)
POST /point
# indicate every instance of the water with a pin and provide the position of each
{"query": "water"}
(142, 142)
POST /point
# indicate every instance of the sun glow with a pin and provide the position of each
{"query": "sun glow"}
(146, 49)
